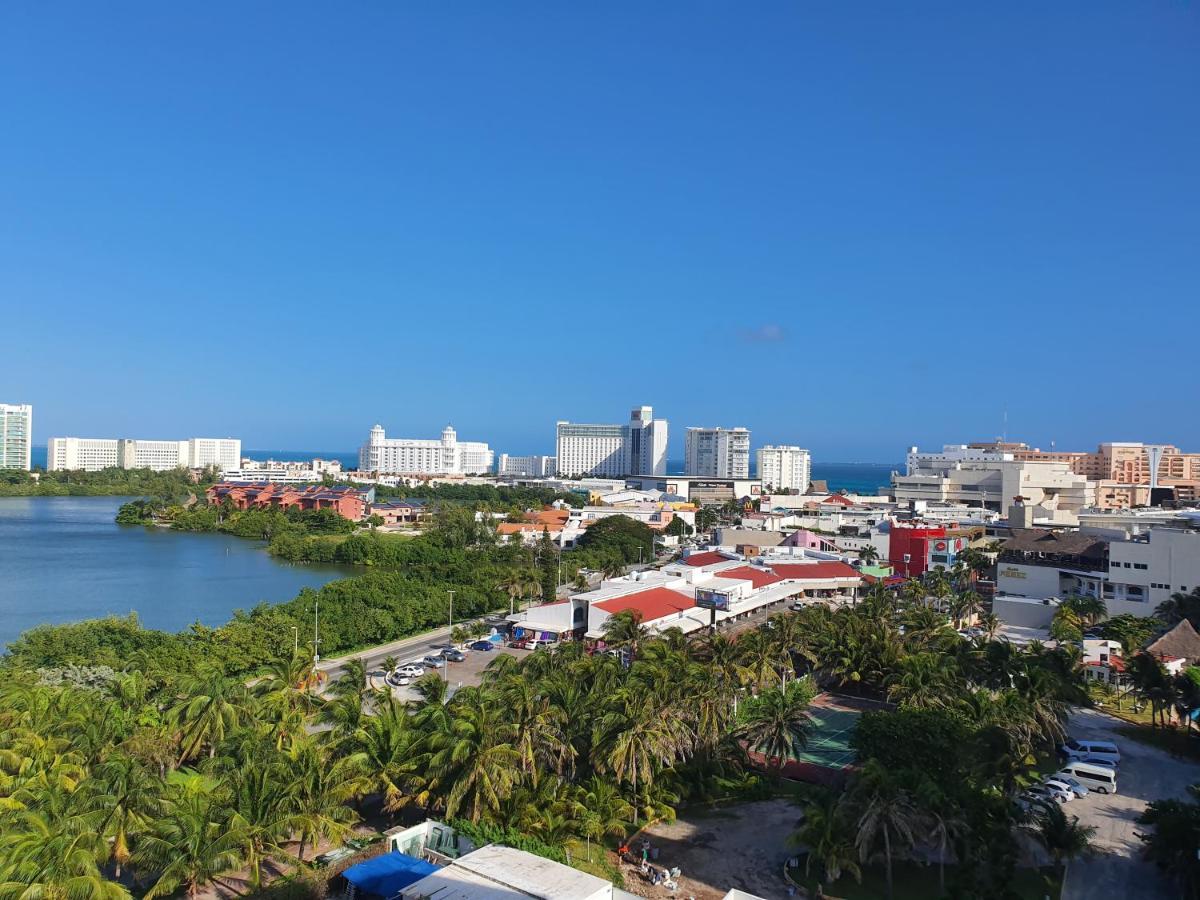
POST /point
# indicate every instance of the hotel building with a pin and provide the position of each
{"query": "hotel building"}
(612, 451)
(717, 452)
(409, 456)
(784, 468)
(526, 466)
(92, 454)
(16, 435)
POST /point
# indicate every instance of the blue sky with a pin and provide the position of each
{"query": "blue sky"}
(849, 226)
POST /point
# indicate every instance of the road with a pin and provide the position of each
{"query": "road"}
(404, 650)
(1147, 773)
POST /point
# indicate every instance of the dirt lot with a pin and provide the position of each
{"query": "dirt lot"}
(742, 846)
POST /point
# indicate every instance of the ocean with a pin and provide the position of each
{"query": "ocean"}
(856, 478)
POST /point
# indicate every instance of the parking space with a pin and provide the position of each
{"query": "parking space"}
(1146, 773)
(461, 674)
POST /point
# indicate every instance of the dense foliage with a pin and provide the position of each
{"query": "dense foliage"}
(174, 485)
(1173, 843)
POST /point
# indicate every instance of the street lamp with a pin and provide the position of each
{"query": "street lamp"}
(446, 659)
(295, 640)
(316, 632)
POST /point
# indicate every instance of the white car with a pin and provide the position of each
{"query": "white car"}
(1068, 789)
(1076, 788)
(398, 680)
(410, 671)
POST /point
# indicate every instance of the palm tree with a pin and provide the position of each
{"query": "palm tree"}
(990, 623)
(625, 629)
(828, 839)
(473, 763)
(261, 798)
(41, 860)
(613, 567)
(888, 817)
(129, 792)
(605, 811)
(923, 681)
(1063, 838)
(194, 839)
(389, 751)
(776, 723)
(320, 789)
(213, 705)
(868, 555)
(1090, 610)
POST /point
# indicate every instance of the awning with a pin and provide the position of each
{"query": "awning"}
(387, 875)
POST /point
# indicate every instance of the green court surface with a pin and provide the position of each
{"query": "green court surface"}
(829, 737)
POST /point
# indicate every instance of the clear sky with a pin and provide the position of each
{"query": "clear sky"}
(849, 226)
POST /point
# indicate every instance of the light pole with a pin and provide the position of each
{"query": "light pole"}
(316, 632)
(446, 659)
(295, 640)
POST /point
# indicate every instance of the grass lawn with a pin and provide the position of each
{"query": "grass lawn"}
(916, 882)
(599, 865)
(1171, 739)
(1108, 703)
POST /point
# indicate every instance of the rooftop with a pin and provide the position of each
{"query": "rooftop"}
(652, 604)
(495, 871)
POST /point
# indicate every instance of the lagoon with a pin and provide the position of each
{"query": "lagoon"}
(63, 559)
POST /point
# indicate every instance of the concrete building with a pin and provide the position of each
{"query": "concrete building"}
(784, 468)
(412, 456)
(526, 466)
(703, 491)
(16, 435)
(975, 477)
(496, 872)
(92, 454)
(1146, 569)
(348, 502)
(717, 452)
(1038, 563)
(638, 448)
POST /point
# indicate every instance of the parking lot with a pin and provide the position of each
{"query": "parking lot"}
(460, 674)
(1146, 773)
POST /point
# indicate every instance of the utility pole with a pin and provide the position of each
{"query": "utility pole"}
(295, 640)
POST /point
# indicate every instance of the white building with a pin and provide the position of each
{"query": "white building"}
(16, 435)
(988, 478)
(496, 872)
(526, 466)
(717, 452)
(784, 468)
(92, 454)
(1147, 569)
(409, 456)
(639, 448)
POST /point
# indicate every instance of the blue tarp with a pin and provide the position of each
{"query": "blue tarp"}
(388, 875)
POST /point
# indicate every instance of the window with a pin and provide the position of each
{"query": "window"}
(1139, 565)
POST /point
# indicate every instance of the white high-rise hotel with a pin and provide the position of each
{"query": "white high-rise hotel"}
(92, 454)
(717, 452)
(411, 456)
(613, 451)
(784, 467)
(16, 435)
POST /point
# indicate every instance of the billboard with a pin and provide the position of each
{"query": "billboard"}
(707, 598)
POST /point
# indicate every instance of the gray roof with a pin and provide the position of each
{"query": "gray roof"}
(1041, 540)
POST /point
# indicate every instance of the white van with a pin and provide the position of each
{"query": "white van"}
(1096, 751)
(1091, 776)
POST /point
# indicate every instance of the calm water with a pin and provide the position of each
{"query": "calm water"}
(63, 559)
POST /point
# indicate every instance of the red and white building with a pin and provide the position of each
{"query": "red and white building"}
(692, 593)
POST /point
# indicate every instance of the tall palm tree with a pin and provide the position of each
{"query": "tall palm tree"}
(212, 706)
(828, 838)
(320, 789)
(625, 629)
(1063, 838)
(41, 860)
(776, 723)
(473, 763)
(869, 555)
(888, 817)
(194, 840)
(127, 798)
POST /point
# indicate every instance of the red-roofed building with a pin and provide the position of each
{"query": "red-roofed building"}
(653, 604)
(816, 570)
(760, 578)
(349, 502)
(707, 558)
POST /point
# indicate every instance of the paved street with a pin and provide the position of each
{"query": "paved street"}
(406, 649)
(1146, 773)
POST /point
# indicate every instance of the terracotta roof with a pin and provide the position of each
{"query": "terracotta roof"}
(839, 499)
(515, 527)
(652, 604)
(548, 517)
(1181, 642)
(704, 559)
(818, 570)
(758, 577)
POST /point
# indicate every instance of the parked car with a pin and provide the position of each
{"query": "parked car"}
(397, 680)
(1067, 789)
(537, 644)
(483, 645)
(433, 661)
(410, 671)
(454, 655)
(1044, 793)
(1078, 788)
(1102, 779)
(518, 644)
(797, 605)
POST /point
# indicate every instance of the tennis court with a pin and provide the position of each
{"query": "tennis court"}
(829, 738)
